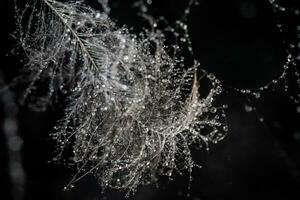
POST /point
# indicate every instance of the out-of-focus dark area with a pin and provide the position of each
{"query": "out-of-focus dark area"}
(238, 41)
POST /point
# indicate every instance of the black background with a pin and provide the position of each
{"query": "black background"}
(239, 41)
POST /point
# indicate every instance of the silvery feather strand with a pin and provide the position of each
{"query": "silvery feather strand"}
(134, 107)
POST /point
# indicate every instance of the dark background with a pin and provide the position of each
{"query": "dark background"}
(239, 41)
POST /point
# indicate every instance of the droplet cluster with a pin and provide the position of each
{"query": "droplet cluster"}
(134, 107)
(290, 67)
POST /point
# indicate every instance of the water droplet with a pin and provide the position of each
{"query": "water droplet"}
(248, 108)
(298, 109)
(213, 110)
(97, 16)
(126, 58)
(225, 128)
(261, 119)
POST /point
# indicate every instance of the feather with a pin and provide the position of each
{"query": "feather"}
(134, 108)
